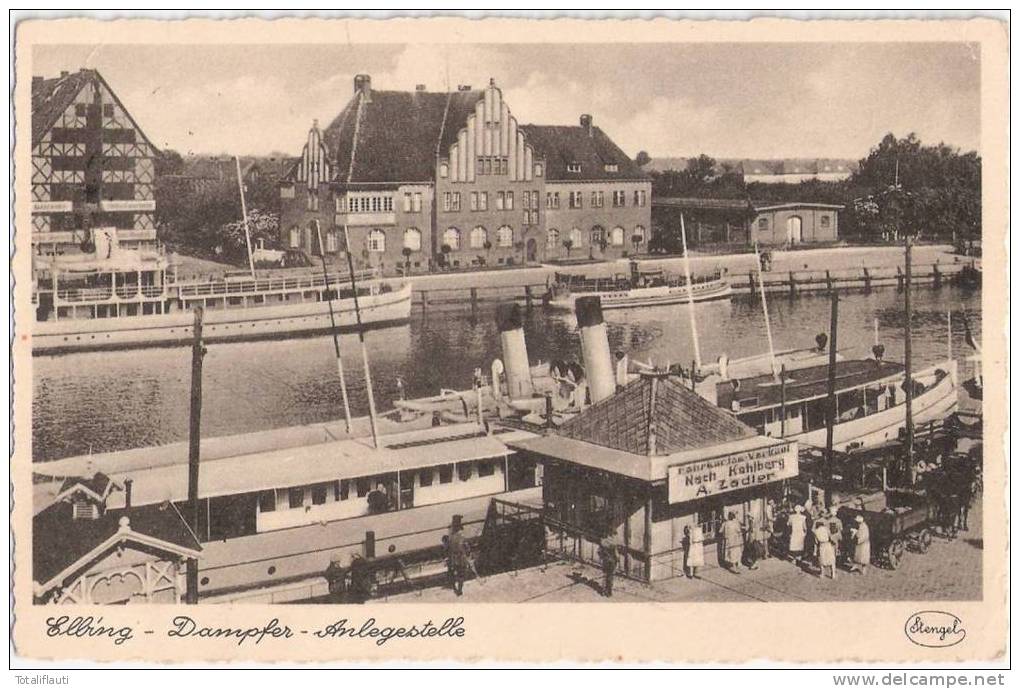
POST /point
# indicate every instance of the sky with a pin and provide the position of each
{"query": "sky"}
(761, 100)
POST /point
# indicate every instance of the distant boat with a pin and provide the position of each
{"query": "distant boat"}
(649, 288)
(117, 298)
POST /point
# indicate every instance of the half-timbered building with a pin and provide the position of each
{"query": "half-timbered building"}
(92, 166)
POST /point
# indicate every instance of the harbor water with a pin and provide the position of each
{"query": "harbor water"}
(112, 400)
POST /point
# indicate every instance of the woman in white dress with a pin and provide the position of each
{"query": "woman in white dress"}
(826, 553)
(694, 550)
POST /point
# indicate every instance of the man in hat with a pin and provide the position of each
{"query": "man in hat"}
(457, 560)
(797, 525)
(607, 554)
(861, 538)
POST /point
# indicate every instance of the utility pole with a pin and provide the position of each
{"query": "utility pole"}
(194, 440)
(830, 417)
(908, 377)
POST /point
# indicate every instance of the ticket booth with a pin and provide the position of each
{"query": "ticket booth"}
(644, 463)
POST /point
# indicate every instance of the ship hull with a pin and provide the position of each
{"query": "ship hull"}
(648, 296)
(220, 325)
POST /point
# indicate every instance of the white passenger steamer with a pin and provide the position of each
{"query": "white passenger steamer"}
(114, 298)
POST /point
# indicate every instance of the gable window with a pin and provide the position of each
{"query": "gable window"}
(573, 167)
(552, 238)
(451, 238)
(376, 241)
(313, 200)
(505, 236)
(412, 239)
(616, 236)
(478, 237)
(444, 170)
(538, 170)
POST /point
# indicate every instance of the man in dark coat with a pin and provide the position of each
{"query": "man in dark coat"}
(458, 561)
(607, 553)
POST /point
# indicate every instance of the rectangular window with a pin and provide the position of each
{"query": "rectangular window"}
(474, 200)
(488, 166)
(287, 191)
(407, 203)
(455, 205)
(534, 199)
(464, 471)
(573, 167)
(319, 493)
(313, 201)
(296, 497)
(486, 468)
(504, 167)
(447, 201)
(500, 200)
(509, 200)
(483, 200)
(481, 166)
(267, 501)
(526, 201)
(387, 204)
(575, 199)
(612, 167)
(363, 485)
(549, 199)
(79, 110)
(446, 473)
(331, 243)
(416, 205)
(345, 489)
(824, 221)
(763, 224)
(425, 478)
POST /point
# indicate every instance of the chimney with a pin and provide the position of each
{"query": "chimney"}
(515, 351)
(598, 363)
(64, 73)
(363, 85)
(586, 123)
(127, 493)
(420, 88)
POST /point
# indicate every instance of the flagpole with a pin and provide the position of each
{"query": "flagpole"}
(361, 337)
(765, 310)
(244, 215)
(332, 327)
(690, 298)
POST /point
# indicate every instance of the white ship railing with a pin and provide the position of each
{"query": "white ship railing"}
(265, 285)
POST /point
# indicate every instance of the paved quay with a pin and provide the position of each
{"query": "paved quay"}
(951, 570)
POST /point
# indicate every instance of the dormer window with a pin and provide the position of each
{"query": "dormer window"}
(444, 170)
(612, 167)
(573, 167)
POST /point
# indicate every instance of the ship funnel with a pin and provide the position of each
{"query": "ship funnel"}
(515, 351)
(598, 362)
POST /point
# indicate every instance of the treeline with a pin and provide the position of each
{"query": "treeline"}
(931, 192)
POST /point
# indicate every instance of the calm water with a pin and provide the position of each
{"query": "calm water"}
(115, 400)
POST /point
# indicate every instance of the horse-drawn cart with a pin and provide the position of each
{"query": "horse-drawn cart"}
(906, 521)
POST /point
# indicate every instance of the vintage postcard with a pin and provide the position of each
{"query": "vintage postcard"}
(505, 339)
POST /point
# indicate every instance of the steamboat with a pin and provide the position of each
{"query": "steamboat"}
(641, 288)
(113, 298)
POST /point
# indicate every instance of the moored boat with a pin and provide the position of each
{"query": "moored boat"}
(640, 288)
(131, 298)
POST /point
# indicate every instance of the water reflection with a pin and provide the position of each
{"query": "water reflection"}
(115, 400)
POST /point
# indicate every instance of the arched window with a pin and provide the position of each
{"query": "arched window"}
(451, 238)
(444, 170)
(598, 235)
(552, 238)
(505, 236)
(412, 239)
(376, 241)
(576, 237)
(616, 236)
(295, 237)
(478, 237)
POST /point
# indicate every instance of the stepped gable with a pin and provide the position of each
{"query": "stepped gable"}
(398, 134)
(656, 415)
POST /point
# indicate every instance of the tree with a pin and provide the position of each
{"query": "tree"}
(568, 244)
(642, 158)
(261, 225)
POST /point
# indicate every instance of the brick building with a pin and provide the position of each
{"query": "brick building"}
(426, 180)
(92, 166)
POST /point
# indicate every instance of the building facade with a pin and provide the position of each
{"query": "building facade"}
(92, 166)
(795, 223)
(423, 181)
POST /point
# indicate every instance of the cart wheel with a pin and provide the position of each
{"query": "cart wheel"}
(894, 553)
(924, 540)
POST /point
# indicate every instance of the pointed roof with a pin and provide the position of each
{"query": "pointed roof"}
(399, 134)
(655, 415)
(51, 97)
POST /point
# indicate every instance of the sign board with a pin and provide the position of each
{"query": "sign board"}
(52, 207)
(129, 205)
(707, 477)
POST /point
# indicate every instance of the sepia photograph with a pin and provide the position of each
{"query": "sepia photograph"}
(382, 323)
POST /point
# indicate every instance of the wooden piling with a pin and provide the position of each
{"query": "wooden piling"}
(793, 284)
(424, 301)
(828, 282)
(899, 279)
(750, 281)
(867, 280)
(527, 297)
(936, 275)
(474, 299)
(194, 449)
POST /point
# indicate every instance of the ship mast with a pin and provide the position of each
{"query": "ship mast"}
(765, 310)
(332, 325)
(690, 299)
(244, 216)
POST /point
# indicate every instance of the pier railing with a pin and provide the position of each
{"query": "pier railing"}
(222, 287)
